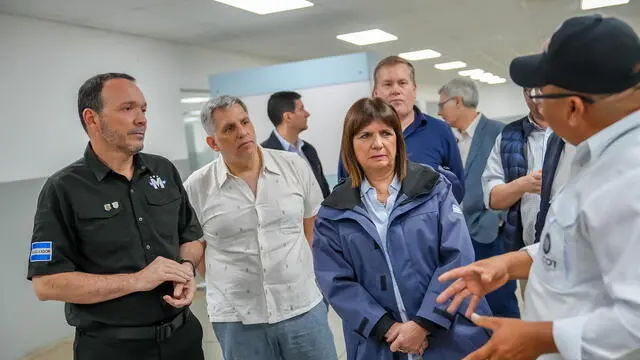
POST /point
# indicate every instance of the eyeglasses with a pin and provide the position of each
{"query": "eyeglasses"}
(442, 104)
(536, 96)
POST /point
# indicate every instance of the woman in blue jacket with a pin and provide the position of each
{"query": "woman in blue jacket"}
(381, 240)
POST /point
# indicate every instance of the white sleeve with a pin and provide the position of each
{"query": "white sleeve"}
(190, 189)
(493, 173)
(532, 249)
(610, 223)
(312, 194)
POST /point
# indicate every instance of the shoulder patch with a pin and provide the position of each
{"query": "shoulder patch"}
(41, 251)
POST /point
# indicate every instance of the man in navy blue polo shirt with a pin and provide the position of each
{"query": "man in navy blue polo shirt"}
(430, 141)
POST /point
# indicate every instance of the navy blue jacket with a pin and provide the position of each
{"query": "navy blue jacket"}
(427, 236)
(430, 141)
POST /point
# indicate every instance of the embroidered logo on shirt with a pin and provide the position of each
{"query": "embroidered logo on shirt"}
(41, 251)
(546, 244)
(456, 209)
(156, 182)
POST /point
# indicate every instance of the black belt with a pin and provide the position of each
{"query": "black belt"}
(158, 332)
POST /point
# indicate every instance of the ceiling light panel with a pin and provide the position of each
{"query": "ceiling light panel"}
(194, 100)
(497, 80)
(471, 72)
(595, 4)
(263, 7)
(450, 65)
(420, 55)
(367, 37)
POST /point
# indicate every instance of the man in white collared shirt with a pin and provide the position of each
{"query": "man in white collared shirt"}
(583, 297)
(257, 208)
(512, 179)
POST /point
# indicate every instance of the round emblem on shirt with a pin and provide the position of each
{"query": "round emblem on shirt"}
(546, 244)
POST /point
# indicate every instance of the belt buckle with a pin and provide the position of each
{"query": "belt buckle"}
(164, 331)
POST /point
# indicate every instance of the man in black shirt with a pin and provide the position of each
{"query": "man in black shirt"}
(115, 237)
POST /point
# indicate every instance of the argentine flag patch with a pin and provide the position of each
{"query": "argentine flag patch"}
(456, 209)
(41, 251)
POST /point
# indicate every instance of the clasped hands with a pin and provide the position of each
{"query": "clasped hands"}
(408, 337)
(161, 270)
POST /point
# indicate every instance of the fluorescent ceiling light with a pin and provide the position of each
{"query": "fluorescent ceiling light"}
(470, 72)
(479, 76)
(191, 119)
(485, 77)
(194, 100)
(595, 4)
(420, 55)
(367, 37)
(450, 65)
(489, 78)
(497, 80)
(262, 7)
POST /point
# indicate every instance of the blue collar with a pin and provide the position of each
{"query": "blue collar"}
(287, 145)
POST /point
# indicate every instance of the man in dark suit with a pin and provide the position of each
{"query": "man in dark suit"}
(287, 113)
(476, 136)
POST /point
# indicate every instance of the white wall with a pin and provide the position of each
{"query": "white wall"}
(43, 64)
(502, 101)
(328, 106)
(496, 101)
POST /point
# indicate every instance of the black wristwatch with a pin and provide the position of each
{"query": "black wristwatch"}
(193, 266)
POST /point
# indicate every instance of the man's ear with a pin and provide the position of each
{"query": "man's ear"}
(90, 117)
(286, 117)
(211, 141)
(575, 112)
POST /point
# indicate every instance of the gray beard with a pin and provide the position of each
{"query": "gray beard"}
(118, 140)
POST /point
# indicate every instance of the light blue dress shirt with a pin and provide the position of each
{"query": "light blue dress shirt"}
(287, 146)
(379, 215)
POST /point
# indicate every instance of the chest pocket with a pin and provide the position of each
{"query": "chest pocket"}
(164, 211)
(291, 208)
(557, 252)
(103, 228)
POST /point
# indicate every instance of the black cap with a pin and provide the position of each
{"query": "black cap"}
(588, 54)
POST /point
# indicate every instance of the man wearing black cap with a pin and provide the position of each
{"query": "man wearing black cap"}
(583, 296)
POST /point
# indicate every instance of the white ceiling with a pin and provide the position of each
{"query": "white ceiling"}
(483, 33)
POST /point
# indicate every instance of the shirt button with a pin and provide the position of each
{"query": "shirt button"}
(139, 219)
(131, 191)
(148, 247)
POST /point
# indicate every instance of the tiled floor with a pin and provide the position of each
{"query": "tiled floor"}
(63, 350)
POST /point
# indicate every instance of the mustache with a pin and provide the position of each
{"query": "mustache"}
(138, 130)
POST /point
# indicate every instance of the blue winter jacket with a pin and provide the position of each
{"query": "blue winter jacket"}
(427, 236)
